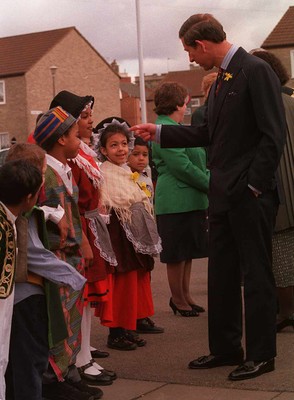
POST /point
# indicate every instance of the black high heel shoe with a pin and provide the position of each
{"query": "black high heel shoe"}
(183, 313)
(286, 322)
(199, 309)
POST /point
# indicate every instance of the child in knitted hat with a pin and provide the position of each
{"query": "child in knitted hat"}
(57, 133)
(97, 293)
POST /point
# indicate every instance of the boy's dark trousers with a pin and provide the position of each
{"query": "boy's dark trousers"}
(29, 350)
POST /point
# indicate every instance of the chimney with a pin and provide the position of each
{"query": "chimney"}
(114, 65)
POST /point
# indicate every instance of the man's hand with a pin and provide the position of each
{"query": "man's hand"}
(145, 131)
(256, 192)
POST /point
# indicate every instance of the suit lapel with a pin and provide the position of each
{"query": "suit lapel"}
(215, 103)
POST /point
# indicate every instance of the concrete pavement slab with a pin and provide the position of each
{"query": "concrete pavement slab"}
(166, 356)
(131, 390)
(126, 389)
(285, 396)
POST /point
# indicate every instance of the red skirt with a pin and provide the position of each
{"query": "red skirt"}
(98, 295)
(131, 299)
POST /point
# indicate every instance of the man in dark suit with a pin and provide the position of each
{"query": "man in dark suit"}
(244, 130)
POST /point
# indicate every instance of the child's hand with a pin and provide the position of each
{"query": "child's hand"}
(87, 252)
(63, 229)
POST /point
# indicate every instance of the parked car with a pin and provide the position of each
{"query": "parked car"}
(3, 154)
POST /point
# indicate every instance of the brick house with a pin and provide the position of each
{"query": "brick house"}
(131, 101)
(281, 42)
(27, 84)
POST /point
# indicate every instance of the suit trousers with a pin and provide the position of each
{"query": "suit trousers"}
(240, 248)
(29, 349)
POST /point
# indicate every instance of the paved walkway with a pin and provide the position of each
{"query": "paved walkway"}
(159, 370)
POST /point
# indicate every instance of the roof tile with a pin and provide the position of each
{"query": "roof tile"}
(21, 52)
(283, 33)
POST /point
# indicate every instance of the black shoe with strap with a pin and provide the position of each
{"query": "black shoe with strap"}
(133, 337)
(112, 374)
(101, 379)
(120, 343)
(99, 354)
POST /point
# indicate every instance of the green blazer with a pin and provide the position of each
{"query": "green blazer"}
(183, 178)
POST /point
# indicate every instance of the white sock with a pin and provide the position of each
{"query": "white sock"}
(92, 371)
(84, 356)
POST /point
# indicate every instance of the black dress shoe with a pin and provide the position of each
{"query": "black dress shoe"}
(252, 369)
(285, 322)
(64, 391)
(146, 325)
(99, 354)
(108, 372)
(83, 387)
(212, 361)
(101, 380)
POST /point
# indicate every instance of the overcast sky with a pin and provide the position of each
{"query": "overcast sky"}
(110, 25)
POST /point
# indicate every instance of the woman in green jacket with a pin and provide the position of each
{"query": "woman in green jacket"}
(180, 201)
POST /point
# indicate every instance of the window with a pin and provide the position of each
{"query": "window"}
(2, 92)
(292, 62)
(188, 111)
(4, 140)
(195, 102)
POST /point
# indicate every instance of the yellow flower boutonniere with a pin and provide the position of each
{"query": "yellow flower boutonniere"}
(228, 76)
(135, 176)
(143, 186)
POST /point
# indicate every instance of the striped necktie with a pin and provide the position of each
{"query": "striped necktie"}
(219, 80)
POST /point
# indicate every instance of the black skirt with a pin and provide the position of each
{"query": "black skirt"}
(184, 236)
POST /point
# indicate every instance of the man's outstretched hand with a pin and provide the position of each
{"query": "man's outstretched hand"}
(145, 131)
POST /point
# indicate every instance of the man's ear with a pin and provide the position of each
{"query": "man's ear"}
(201, 44)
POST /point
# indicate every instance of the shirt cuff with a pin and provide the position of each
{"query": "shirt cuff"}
(254, 189)
(157, 134)
(53, 214)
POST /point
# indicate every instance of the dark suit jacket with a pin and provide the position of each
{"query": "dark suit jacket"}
(244, 130)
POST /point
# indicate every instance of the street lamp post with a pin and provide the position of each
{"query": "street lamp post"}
(141, 69)
(53, 69)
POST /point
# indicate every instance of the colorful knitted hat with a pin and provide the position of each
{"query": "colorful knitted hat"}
(51, 126)
(71, 102)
